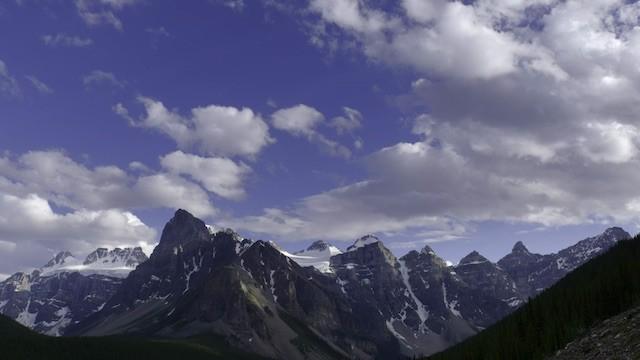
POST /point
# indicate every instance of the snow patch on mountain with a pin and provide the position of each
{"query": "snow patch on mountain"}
(116, 263)
(362, 242)
(318, 255)
(422, 313)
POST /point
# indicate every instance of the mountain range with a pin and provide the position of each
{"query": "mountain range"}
(317, 303)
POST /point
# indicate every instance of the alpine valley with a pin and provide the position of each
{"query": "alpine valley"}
(318, 303)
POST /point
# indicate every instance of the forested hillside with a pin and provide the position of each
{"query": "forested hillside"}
(601, 288)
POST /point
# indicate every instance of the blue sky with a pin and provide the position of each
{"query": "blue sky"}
(465, 126)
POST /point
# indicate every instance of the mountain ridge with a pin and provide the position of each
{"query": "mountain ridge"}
(362, 303)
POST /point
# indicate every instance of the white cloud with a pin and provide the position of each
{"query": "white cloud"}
(97, 77)
(29, 223)
(303, 120)
(444, 38)
(59, 179)
(39, 85)
(298, 120)
(437, 188)
(610, 142)
(31, 218)
(212, 130)
(169, 191)
(8, 84)
(350, 121)
(61, 39)
(221, 176)
(102, 12)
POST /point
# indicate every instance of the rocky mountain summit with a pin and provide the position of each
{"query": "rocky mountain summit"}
(66, 289)
(533, 273)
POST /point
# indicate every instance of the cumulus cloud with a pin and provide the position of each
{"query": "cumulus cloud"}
(60, 39)
(28, 223)
(429, 188)
(212, 130)
(59, 179)
(525, 112)
(445, 38)
(299, 119)
(303, 120)
(97, 77)
(31, 218)
(221, 176)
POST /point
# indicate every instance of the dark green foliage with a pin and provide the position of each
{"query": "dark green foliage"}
(17, 343)
(601, 288)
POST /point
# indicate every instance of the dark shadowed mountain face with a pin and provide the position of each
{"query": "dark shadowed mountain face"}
(198, 283)
(66, 290)
(592, 313)
(363, 303)
(533, 273)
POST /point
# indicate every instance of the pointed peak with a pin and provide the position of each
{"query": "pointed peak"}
(234, 234)
(363, 241)
(318, 245)
(181, 213)
(520, 248)
(616, 233)
(473, 258)
(183, 228)
(427, 250)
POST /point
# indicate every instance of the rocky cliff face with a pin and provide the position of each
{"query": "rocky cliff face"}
(533, 273)
(615, 338)
(196, 283)
(66, 290)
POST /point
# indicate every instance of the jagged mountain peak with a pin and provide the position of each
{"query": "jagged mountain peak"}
(616, 233)
(363, 241)
(520, 248)
(473, 258)
(181, 229)
(318, 245)
(117, 262)
(427, 250)
(129, 257)
(58, 259)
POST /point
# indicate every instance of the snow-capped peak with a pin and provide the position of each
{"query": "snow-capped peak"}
(117, 262)
(59, 259)
(318, 255)
(318, 245)
(363, 241)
